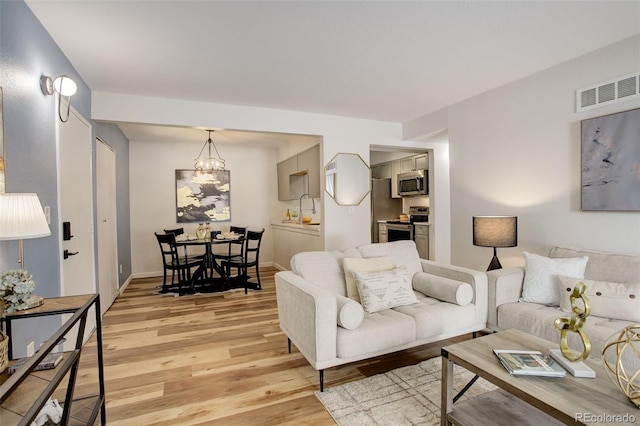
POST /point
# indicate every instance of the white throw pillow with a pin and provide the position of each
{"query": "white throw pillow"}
(444, 289)
(608, 300)
(541, 277)
(350, 313)
(358, 264)
(385, 289)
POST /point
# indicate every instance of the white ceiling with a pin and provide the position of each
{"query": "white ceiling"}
(390, 61)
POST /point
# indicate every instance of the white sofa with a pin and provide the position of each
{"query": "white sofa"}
(507, 310)
(331, 329)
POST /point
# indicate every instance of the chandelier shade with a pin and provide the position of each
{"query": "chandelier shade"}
(210, 163)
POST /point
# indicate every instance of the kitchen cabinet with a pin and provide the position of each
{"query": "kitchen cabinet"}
(309, 160)
(299, 175)
(395, 169)
(406, 164)
(382, 232)
(285, 169)
(421, 238)
(381, 171)
(421, 162)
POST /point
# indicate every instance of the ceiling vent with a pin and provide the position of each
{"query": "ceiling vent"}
(608, 92)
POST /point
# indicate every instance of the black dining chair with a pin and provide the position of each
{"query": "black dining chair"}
(180, 231)
(250, 259)
(236, 247)
(180, 266)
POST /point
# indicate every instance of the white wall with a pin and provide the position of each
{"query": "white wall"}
(339, 134)
(152, 187)
(516, 150)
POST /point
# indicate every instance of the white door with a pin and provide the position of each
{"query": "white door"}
(106, 226)
(75, 205)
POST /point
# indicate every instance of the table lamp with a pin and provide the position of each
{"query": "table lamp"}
(495, 231)
(22, 217)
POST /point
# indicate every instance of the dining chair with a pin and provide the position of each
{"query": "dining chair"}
(236, 247)
(250, 259)
(180, 266)
(180, 231)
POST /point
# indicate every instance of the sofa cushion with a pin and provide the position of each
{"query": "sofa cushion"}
(540, 277)
(359, 264)
(403, 252)
(323, 269)
(378, 332)
(609, 300)
(604, 266)
(350, 313)
(436, 318)
(385, 289)
(444, 289)
(538, 320)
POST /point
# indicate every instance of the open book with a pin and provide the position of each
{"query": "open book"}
(529, 363)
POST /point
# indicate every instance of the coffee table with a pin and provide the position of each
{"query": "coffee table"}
(529, 400)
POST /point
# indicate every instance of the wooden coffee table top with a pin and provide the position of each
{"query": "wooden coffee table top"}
(561, 397)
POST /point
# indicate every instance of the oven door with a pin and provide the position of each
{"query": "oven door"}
(397, 232)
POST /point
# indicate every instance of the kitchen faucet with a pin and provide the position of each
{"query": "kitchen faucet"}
(313, 210)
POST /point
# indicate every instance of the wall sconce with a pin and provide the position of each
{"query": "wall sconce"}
(63, 85)
(495, 231)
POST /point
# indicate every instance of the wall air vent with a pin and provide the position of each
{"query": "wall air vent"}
(608, 92)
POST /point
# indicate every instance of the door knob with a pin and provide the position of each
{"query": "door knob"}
(68, 253)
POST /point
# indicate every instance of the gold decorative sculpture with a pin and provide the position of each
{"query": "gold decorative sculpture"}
(574, 324)
(627, 339)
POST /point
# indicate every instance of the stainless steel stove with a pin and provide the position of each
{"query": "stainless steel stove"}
(404, 229)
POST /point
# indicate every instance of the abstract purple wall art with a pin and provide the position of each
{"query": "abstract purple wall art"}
(611, 162)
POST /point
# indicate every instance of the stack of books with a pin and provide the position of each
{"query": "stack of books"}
(529, 363)
(50, 361)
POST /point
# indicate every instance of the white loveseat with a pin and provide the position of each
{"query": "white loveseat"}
(615, 303)
(332, 329)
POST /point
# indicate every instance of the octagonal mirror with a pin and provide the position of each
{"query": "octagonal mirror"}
(347, 179)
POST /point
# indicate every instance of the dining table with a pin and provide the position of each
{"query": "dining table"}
(210, 276)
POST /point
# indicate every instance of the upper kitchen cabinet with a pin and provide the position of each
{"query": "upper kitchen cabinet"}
(402, 165)
(381, 171)
(300, 175)
(309, 160)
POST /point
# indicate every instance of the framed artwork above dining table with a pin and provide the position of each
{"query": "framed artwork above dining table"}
(202, 196)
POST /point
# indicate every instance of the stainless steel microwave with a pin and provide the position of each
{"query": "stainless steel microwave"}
(413, 183)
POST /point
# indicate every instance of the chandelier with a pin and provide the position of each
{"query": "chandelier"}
(209, 164)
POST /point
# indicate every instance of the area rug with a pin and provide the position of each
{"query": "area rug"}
(404, 396)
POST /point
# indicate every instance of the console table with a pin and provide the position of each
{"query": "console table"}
(26, 391)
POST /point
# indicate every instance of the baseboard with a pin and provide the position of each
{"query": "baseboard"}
(124, 285)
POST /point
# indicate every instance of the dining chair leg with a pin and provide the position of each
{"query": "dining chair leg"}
(258, 278)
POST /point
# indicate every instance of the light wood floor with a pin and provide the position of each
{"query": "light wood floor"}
(212, 359)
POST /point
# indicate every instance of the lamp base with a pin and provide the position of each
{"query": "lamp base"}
(495, 264)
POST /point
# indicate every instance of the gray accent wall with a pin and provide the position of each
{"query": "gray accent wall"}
(27, 52)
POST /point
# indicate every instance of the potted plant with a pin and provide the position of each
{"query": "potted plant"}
(16, 288)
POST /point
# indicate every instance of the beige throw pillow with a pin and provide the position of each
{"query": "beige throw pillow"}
(358, 264)
(608, 300)
(385, 289)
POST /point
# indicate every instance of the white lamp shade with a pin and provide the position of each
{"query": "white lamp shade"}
(65, 85)
(22, 217)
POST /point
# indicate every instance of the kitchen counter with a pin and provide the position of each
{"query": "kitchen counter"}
(292, 238)
(309, 229)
